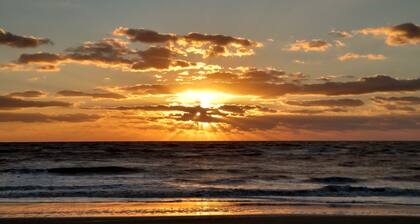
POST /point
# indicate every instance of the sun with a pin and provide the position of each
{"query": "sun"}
(205, 99)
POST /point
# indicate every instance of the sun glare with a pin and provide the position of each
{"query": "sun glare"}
(205, 99)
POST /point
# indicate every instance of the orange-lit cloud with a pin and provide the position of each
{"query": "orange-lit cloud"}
(107, 53)
(403, 34)
(206, 45)
(309, 45)
(354, 56)
(340, 34)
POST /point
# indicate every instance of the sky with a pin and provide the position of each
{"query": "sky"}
(196, 70)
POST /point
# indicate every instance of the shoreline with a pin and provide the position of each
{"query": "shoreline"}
(194, 208)
(222, 219)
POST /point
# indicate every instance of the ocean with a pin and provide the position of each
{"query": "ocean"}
(326, 173)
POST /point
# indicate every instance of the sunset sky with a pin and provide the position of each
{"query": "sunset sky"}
(209, 70)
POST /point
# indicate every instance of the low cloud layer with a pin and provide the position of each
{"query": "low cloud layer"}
(404, 103)
(97, 95)
(13, 40)
(8, 103)
(328, 123)
(327, 103)
(266, 87)
(29, 93)
(46, 118)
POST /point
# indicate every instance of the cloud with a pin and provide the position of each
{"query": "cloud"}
(108, 53)
(190, 113)
(159, 58)
(13, 40)
(328, 103)
(45, 118)
(297, 61)
(40, 57)
(404, 103)
(339, 43)
(327, 123)
(243, 84)
(406, 100)
(99, 95)
(7, 103)
(379, 83)
(354, 56)
(206, 45)
(403, 34)
(340, 34)
(148, 89)
(29, 93)
(144, 35)
(318, 111)
(169, 52)
(309, 45)
(219, 114)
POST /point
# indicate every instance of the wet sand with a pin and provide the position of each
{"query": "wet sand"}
(243, 219)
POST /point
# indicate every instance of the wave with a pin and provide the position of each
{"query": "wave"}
(120, 192)
(99, 170)
(414, 178)
(334, 180)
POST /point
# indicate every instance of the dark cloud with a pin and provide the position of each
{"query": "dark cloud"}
(328, 103)
(197, 113)
(405, 100)
(110, 53)
(144, 35)
(241, 109)
(45, 118)
(198, 43)
(403, 34)
(29, 93)
(380, 83)
(404, 103)
(318, 111)
(102, 94)
(40, 57)
(327, 123)
(107, 51)
(7, 102)
(159, 58)
(146, 89)
(218, 40)
(13, 40)
(193, 113)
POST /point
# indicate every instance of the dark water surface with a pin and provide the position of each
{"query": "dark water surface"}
(321, 172)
